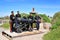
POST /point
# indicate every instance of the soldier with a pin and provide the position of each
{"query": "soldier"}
(12, 19)
(38, 20)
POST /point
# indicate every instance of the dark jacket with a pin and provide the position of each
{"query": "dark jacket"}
(12, 18)
(18, 15)
(30, 17)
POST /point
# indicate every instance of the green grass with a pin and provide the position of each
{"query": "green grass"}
(53, 35)
(6, 25)
(45, 18)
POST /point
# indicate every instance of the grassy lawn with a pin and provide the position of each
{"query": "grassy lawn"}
(53, 35)
(6, 25)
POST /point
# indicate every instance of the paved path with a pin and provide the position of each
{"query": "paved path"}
(1, 36)
(31, 37)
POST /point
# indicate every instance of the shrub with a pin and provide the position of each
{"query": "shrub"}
(54, 34)
(45, 18)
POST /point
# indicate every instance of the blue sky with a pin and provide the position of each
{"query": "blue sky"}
(48, 7)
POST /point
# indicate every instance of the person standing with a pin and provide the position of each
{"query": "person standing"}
(17, 18)
(38, 20)
(18, 15)
(12, 20)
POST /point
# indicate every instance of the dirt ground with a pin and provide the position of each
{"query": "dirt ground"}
(30, 37)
